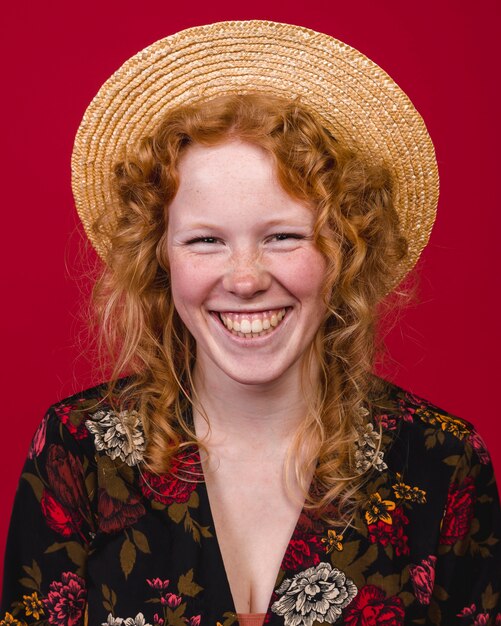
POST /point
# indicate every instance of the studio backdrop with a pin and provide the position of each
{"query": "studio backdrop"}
(445, 346)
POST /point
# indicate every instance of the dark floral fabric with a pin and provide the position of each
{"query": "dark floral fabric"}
(95, 539)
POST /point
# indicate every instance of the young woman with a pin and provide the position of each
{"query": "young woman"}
(255, 190)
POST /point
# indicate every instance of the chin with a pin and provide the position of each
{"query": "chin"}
(256, 375)
(254, 381)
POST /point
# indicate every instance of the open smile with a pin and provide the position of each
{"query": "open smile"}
(252, 324)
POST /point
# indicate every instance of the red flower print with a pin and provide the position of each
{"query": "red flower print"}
(116, 515)
(477, 443)
(305, 546)
(59, 518)
(38, 440)
(65, 476)
(423, 577)
(458, 512)
(65, 601)
(498, 620)
(301, 554)
(482, 619)
(157, 620)
(194, 621)
(393, 533)
(178, 484)
(371, 607)
(75, 426)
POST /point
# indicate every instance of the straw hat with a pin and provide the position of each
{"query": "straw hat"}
(349, 94)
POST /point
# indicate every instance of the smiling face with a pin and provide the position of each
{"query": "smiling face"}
(246, 275)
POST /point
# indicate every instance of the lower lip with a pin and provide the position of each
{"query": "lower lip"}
(252, 341)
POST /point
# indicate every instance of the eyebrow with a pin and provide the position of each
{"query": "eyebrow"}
(265, 224)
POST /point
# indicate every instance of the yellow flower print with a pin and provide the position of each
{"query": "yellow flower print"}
(447, 423)
(408, 493)
(333, 541)
(33, 605)
(10, 620)
(452, 425)
(378, 509)
(402, 491)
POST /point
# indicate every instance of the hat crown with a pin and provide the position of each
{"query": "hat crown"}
(348, 93)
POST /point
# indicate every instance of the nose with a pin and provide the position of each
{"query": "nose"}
(246, 276)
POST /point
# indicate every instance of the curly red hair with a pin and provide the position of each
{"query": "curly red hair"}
(356, 229)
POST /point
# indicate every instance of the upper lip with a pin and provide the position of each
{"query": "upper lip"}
(260, 310)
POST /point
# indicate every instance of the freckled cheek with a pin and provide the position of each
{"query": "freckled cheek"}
(305, 276)
(191, 282)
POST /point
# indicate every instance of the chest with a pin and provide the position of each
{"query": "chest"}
(195, 553)
(254, 518)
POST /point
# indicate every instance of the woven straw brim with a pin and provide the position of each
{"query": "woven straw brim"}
(349, 94)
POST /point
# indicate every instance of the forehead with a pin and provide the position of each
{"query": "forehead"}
(231, 179)
(237, 159)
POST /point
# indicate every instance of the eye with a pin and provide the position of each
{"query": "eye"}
(285, 236)
(208, 240)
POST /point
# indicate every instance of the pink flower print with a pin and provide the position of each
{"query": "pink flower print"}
(157, 620)
(408, 412)
(38, 440)
(423, 577)
(194, 621)
(158, 584)
(171, 600)
(482, 619)
(477, 443)
(65, 601)
(387, 422)
(467, 611)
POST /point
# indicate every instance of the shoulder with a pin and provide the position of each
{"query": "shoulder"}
(70, 414)
(426, 430)
(89, 421)
(437, 458)
(73, 411)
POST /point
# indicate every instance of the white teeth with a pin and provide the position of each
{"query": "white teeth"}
(259, 323)
(245, 326)
(256, 326)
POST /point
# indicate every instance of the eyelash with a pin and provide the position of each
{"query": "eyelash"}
(288, 236)
(202, 240)
(277, 236)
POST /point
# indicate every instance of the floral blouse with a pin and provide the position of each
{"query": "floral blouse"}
(97, 540)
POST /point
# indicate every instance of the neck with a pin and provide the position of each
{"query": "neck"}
(264, 416)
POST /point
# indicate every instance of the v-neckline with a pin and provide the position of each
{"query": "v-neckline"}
(281, 568)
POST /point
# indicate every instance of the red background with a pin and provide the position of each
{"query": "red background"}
(57, 54)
